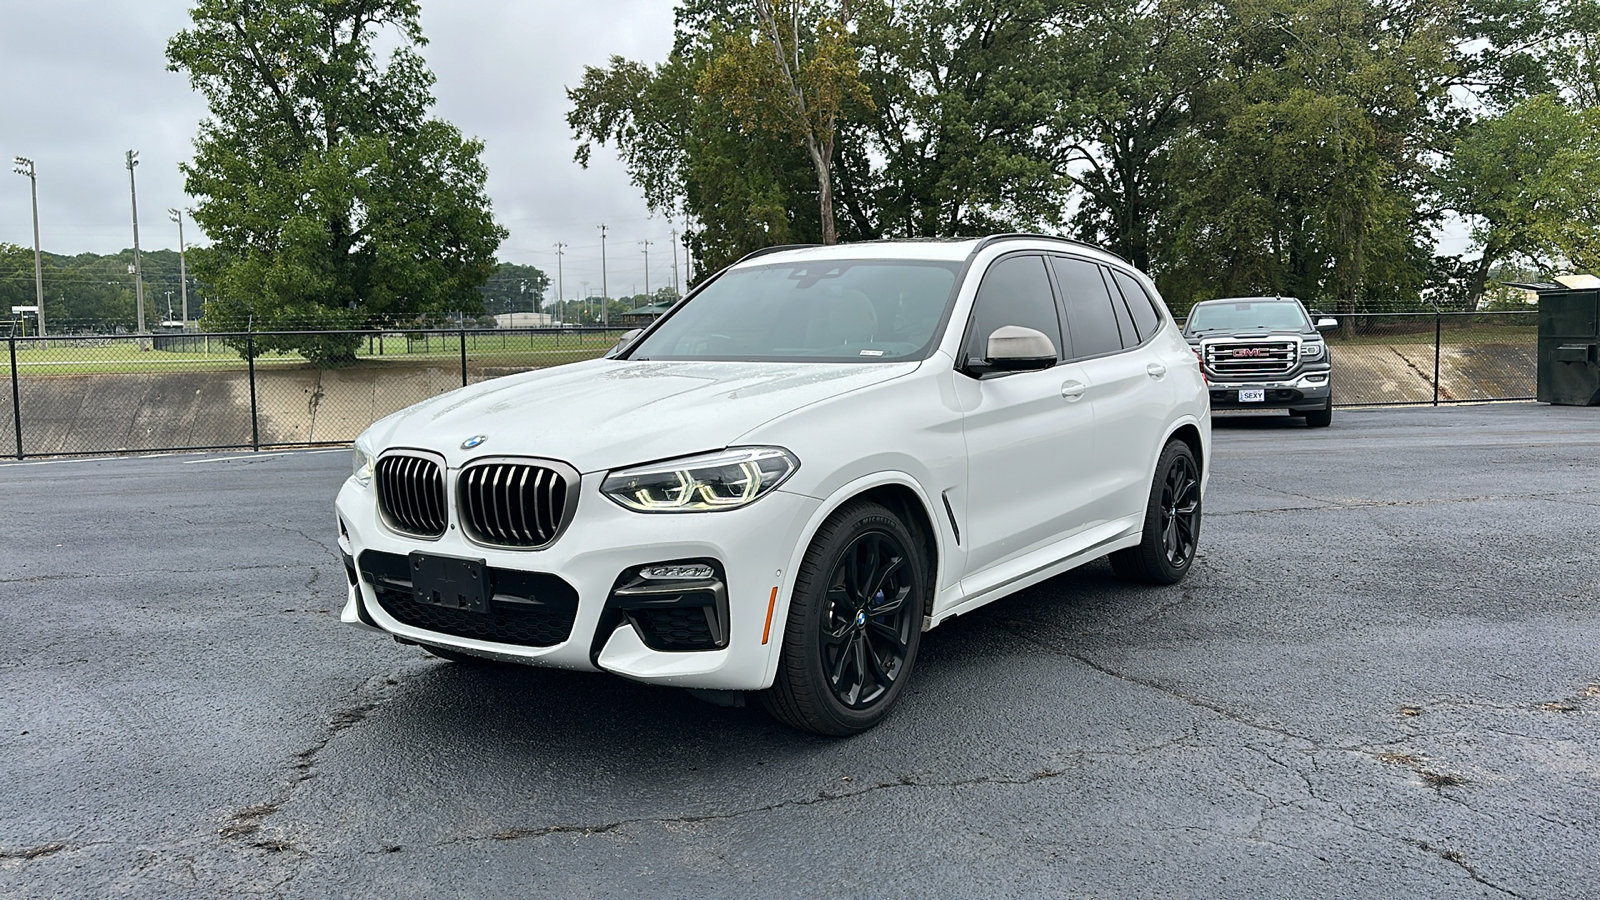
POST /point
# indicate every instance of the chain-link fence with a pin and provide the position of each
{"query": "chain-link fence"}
(1387, 359)
(83, 394)
(95, 394)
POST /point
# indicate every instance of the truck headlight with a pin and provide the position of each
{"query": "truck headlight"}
(362, 457)
(1311, 351)
(727, 479)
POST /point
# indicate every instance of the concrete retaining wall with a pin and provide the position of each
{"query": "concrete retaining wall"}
(301, 404)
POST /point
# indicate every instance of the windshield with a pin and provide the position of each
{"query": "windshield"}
(831, 311)
(1247, 315)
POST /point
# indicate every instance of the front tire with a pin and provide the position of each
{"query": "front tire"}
(1171, 522)
(1320, 418)
(854, 624)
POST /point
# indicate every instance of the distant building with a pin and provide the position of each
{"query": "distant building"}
(524, 320)
(644, 315)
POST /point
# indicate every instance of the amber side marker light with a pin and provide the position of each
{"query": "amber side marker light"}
(766, 630)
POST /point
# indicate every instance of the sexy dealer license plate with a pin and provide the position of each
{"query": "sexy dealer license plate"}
(1253, 395)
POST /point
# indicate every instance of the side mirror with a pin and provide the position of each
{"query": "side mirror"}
(625, 340)
(1013, 348)
(1327, 322)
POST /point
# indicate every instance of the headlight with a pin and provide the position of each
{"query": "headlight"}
(362, 458)
(1311, 351)
(727, 479)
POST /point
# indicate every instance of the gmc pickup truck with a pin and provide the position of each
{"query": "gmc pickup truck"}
(1263, 353)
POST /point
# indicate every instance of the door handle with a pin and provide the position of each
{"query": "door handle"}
(1156, 371)
(1072, 391)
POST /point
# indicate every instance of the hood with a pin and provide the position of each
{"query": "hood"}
(605, 414)
(1248, 334)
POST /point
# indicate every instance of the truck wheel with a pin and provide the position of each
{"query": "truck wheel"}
(854, 624)
(1320, 418)
(1171, 522)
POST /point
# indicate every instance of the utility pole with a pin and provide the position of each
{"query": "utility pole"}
(605, 319)
(561, 291)
(583, 305)
(646, 246)
(183, 267)
(25, 167)
(138, 264)
(675, 263)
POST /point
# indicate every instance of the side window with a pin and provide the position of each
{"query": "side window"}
(1090, 315)
(1130, 335)
(1139, 303)
(1015, 291)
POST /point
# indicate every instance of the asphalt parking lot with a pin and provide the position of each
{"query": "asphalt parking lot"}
(1382, 679)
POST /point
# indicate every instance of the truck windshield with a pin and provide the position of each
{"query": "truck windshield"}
(1247, 315)
(827, 311)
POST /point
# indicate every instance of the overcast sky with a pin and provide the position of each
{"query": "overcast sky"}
(86, 80)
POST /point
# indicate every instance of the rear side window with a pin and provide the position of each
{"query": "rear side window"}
(1090, 315)
(1015, 291)
(1140, 304)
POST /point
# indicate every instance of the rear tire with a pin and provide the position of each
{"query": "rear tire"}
(854, 624)
(1171, 522)
(1320, 418)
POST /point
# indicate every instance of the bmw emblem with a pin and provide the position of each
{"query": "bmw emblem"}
(474, 441)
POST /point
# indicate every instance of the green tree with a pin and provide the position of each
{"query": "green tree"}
(514, 288)
(793, 76)
(331, 197)
(1305, 170)
(1521, 179)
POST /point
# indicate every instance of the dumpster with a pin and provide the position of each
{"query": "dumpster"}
(1569, 340)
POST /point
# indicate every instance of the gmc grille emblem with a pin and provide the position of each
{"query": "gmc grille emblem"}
(1250, 351)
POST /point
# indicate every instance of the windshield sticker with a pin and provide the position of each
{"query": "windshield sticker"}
(872, 353)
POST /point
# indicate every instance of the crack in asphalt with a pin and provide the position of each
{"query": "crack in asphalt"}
(1459, 859)
(248, 822)
(1023, 631)
(36, 852)
(904, 781)
(1330, 504)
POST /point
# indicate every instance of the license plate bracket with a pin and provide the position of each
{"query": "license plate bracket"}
(452, 582)
(1252, 395)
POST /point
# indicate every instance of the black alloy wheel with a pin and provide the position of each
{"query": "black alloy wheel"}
(1171, 524)
(854, 624)
(868, 621)
(1180, 512)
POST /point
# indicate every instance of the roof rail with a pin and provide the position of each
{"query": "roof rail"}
(778, 249)
(1023, 236)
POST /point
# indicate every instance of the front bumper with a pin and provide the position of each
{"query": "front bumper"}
(753, 547)
(1309, 389)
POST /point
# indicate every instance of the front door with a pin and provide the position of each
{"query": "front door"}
(1029, 435)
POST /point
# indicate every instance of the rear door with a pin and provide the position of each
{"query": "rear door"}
(1128, 385)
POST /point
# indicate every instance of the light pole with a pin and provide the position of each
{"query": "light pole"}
(176, 215)
(561, 291)
(604, 292)
(169, 306)
(584, 303)
(132, 157)
(646, 246)
(675, 263)
(24, 166)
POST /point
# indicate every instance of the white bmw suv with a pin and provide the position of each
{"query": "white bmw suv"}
(779, 485)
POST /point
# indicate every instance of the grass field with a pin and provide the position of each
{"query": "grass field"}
(113, 355)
